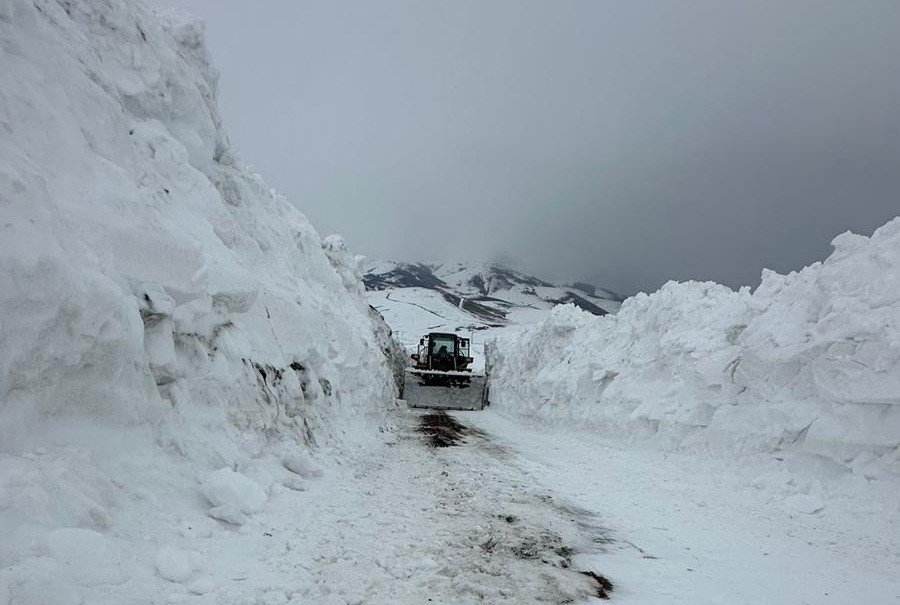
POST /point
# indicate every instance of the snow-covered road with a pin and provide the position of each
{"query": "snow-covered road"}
(438, 513)
(473, 508)
(690, 529)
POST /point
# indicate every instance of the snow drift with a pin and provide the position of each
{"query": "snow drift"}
(809, 361)
(163, 313)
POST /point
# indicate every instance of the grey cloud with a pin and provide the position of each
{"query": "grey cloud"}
(625, 143)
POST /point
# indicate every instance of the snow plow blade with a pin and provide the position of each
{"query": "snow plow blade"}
(445, 390)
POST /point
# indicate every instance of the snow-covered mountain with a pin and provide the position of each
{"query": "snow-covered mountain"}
(492, 294)
(481, 300)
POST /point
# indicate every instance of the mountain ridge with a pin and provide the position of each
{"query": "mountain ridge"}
(488, 291)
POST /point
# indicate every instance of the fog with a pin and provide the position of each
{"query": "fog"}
(622, 143)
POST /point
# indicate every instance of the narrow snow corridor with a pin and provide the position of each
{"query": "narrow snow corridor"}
(470, 507)
(437, 513)
(201, 396)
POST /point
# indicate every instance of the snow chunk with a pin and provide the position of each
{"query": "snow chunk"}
(301, 464)
(232, 490)
(201, 586)
(176, 565)
(228, 514)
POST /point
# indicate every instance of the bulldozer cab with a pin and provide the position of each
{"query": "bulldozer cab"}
(443, 352)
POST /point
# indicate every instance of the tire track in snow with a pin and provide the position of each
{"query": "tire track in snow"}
(447, 520)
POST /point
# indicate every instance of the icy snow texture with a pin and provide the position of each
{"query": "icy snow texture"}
(141, 264)
(226, 487)
(301, 465)
(810, 361)
(163, 313)
(175, 565)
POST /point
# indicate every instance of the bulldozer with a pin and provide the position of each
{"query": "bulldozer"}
(441, 377)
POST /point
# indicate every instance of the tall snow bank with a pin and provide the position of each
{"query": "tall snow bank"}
(163, 313)
(809, 361)
(143, 269)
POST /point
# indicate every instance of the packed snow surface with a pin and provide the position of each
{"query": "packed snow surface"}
(677, 528)
(163, 313)
(808, 363)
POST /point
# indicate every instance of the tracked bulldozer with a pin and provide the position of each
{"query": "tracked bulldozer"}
(441, 377)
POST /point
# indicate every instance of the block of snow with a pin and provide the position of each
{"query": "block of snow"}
(201, 586)
(227, 513)
(175, 565)
(227, 488)
(301, 464)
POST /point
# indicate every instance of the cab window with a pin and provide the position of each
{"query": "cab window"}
(442, 341)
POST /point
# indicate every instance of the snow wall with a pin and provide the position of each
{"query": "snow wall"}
(809, 361)
(163, 312)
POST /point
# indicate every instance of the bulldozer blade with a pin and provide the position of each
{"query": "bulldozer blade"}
(445, 390)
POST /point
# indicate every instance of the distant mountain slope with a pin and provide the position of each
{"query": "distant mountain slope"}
(490, 294)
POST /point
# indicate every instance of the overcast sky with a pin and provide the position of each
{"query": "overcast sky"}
(620, 142)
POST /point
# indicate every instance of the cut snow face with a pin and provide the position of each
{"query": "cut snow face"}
(163, 312)
(144, 269)
(807, 366)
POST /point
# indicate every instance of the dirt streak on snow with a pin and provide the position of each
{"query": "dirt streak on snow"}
(470, 507)
(412, 523)
(695, 530)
